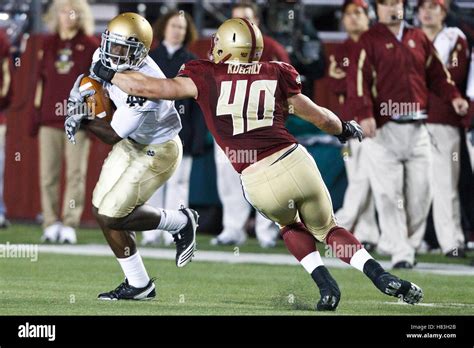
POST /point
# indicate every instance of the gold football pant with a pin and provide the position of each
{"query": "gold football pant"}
(132, 173)
(292, 190)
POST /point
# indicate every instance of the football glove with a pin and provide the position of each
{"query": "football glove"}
(350, 130)
(77, 109)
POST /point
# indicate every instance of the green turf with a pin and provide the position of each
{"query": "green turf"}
(21, 233)
(68, 285)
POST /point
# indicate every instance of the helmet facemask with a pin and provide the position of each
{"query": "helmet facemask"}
(119, 53)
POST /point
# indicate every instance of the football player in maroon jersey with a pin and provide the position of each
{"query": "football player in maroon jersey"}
(245, 103)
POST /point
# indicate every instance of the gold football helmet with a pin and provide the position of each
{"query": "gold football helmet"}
(238, 40)
(126, 42)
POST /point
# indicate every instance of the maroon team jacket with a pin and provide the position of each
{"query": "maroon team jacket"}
(441, 112)
(344, 56)
(60, 62)
(391, 76)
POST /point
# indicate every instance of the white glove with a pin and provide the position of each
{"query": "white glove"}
(77, 109)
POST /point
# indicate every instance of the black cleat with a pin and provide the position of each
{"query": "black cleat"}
(185, 239)
(127, 292)
(391, 285)
(396, 287)
(328, 289)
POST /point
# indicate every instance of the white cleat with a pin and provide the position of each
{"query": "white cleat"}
(67, 235)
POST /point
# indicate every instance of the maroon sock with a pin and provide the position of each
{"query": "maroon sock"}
(298, 240)
(343, 243)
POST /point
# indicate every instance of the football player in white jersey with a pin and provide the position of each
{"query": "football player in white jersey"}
(146, 152)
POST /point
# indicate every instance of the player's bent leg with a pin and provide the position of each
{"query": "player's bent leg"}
(273, 191)
(137, 284)
(123, 206)
(348, 249)
(302, 245)
(315, 210)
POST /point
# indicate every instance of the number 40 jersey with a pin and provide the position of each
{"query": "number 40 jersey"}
(245, 106)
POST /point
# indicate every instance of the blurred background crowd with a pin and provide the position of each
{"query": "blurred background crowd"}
(45, 45)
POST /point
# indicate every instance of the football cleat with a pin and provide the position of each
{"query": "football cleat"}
(127, 292)
(396, 287)
(328, 289)
(185, 239)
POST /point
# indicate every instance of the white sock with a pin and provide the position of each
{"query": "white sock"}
(172, 220)
(311, 261)
(359, 259)
(134, 270)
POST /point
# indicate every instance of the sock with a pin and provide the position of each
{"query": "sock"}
(311, 261)
(301, 244)
(359, 259)
(134, 270)
(343, 243)
(172, 220)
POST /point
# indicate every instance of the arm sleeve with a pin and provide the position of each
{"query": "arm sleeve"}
(438, 77)
(199, 72)
(459, 62)
(289, 78)
(359, 81)
(126, 121)
(337, 83)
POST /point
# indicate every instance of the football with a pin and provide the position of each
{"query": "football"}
(99, 104)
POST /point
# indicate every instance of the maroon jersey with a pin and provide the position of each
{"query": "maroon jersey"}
(245, 106)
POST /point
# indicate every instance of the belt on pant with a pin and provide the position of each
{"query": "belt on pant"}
(286, 154)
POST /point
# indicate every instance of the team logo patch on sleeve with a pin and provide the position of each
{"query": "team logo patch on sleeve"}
(133, 100)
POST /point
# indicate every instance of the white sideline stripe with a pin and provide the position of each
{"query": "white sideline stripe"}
(438, 305)
(230, 257)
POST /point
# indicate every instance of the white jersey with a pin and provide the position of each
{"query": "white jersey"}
(445, 43)
(147, 121)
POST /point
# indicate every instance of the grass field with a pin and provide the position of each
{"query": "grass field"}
(68, 285)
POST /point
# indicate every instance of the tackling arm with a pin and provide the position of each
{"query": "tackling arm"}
(137, 84)
(321, 117)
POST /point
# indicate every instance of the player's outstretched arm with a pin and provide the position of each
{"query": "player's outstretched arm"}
(323, 118)
(137, 84)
